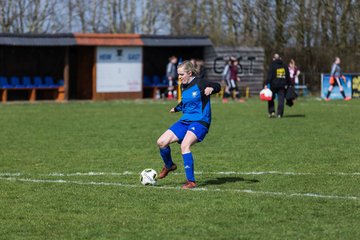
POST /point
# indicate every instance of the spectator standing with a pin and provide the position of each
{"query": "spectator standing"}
(278, 79)
(335, 76)
(199, 64)
(294, 72)
(230, 75)
(171, 74)
(226, 78)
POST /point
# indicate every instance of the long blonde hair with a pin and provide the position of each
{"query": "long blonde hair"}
(188, 67)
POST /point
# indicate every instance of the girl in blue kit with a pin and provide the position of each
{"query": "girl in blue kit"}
(194, 123)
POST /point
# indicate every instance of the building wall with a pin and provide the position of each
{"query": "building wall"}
(85, 78)
(251, 61)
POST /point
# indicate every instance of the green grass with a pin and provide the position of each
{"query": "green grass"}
(318, 139)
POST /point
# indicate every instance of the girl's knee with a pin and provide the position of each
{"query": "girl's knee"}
(161, 143)
(185, 148)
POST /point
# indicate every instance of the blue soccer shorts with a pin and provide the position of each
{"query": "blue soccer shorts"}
(180, 128)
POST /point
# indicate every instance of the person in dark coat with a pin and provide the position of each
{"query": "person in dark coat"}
(278, 79)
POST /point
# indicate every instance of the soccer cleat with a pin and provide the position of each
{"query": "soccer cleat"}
(279, 116)
(164, 172)
(189, 184)
(225, 100)
(241, 100)
(347, 98)
(327, 99)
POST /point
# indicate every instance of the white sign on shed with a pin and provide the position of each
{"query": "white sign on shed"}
(118, 69)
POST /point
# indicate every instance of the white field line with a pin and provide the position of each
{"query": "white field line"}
(90, 174)
(10, 174)
(249, 191)
(206, 173)
(197, 173)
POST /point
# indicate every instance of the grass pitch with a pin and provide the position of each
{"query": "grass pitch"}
(71, 171)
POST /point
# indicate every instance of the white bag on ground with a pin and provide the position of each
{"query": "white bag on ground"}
(265, 94)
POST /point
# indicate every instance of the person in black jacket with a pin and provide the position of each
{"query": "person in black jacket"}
(278, 80)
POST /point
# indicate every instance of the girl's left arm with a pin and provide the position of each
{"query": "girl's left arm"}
(205, 85)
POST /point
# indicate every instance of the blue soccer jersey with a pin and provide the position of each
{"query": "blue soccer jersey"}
(194, 104)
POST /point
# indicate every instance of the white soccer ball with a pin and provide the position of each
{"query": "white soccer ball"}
(148, 177)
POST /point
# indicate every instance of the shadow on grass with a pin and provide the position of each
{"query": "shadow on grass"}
(294, 116)
(223, 180)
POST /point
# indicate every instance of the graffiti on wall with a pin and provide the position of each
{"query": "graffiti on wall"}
(245, 65)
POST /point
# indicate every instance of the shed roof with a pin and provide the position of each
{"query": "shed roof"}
(171, 41)
(20, 39)
(108, 39)
(101, 39)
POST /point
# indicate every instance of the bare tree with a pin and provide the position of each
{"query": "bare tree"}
(175, 13)
(344, 24)
(121, 16)
(248, 27)
(281, 12)
(80, 11)
(232, 21)
(154, 18)
(215, 22)
(9, 13)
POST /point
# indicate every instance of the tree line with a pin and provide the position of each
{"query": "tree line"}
(312, 32)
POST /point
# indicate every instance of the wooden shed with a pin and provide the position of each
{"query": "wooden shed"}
(105, 66)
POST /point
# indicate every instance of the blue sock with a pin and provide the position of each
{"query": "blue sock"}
(166, 156)
(189, 166)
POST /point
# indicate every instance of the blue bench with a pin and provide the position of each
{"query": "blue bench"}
(25, 84)
(301, 86)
